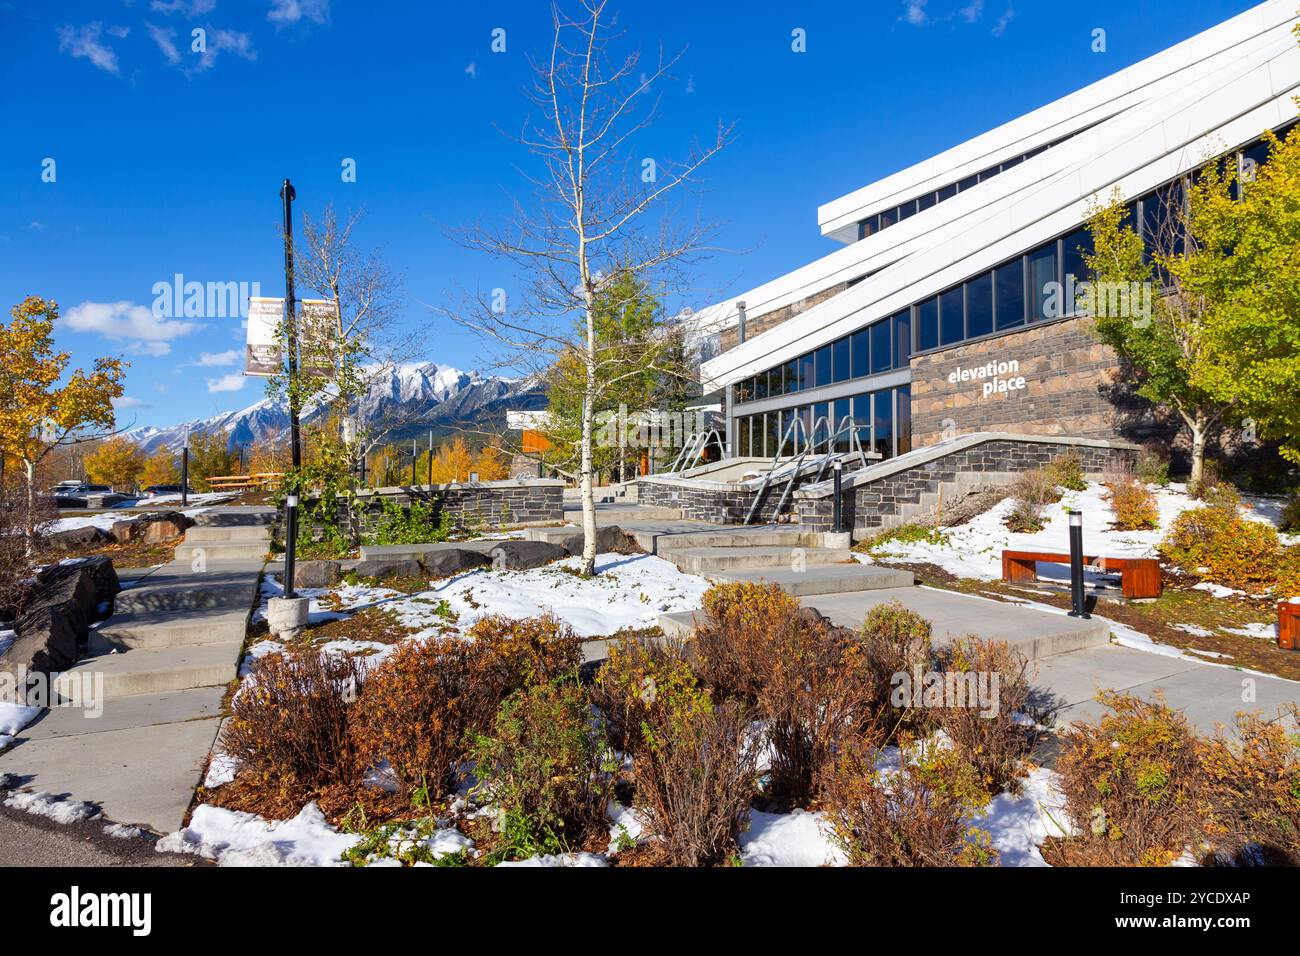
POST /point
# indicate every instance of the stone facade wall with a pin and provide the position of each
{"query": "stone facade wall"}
(876, 504)
(729, 338)
(1073, 385)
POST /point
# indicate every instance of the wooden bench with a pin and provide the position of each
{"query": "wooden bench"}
(1288, 626)
(1139, 577)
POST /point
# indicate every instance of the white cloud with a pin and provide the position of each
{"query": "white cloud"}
(226, 41)
(289, 12)
(1003, 22)
(915, 12)
(144, 332)
(37, 226)
(129, 401)
(87, 42)
(231, 382)
(165, 38)
(189, 8)
(971, 12)
(210, 359)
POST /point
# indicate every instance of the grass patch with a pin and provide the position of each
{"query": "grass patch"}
(903, 534)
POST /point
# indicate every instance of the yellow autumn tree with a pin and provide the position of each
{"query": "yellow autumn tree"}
(453, 462)
(161, 468)
(490, 464)
(36, 412)
(118, 462)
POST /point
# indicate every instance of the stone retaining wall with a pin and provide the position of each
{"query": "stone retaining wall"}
(483, 505)
(874, 503)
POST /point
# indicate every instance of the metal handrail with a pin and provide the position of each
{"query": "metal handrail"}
(796, 424)
(695, 445)
(847, 424)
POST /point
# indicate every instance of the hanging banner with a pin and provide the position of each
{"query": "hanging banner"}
(262, 354)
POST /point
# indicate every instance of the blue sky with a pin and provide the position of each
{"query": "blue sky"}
(168, 162)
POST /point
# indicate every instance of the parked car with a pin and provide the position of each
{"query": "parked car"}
(153, 490)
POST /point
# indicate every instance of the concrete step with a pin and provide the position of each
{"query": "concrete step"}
(153, 670)
(760, 536)
(618, 513)
(707, 560)
(222, 551)
(174, 589)
(678, 624)
(244, 534)
(233, 517)
(822, 578)
(159, 629)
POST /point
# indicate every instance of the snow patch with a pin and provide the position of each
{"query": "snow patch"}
(235, 838)
(42, 804)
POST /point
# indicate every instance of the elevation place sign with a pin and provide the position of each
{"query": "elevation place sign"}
(995, 378)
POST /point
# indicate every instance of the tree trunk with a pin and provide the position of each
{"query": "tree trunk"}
(29, 520)
(585, 480)
(1197, 425)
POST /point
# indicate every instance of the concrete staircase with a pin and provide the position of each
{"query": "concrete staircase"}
(183, 625)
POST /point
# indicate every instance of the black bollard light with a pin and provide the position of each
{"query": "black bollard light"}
(185, 473)
(837, 513)
(1078, 605)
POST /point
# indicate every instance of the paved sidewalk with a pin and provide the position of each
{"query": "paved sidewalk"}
(155, 677)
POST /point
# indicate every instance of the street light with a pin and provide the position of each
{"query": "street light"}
(1078, 607)
(185, 471)
(288, 195)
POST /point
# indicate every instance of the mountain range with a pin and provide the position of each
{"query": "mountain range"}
(413, 399)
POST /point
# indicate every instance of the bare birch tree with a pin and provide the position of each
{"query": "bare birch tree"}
(602, 212)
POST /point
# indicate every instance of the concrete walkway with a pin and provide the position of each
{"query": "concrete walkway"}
(153, 682)
(1072, 659)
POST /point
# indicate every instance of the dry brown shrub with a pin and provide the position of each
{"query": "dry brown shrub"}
(1253, 791)
(990, 735)
(288, 725)
(1133, 786)
(810, 682)
(916, 816)
(897, 641)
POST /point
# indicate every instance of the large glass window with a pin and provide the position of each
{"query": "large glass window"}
(968, 183)
(1009, 282)
(902, 323)
(925, 201)
(821, 413)
(843, 369)
(979, 305)
(773, 433)
(791, 376)
(883, 422)
(860, 346)
(888, 218)
(1073, 249)
(862, 418)
(1042, 280)
(947, 192)
(927, 325)
(904, 405)
(742, 436)
(760, 387)
(907, 210)
(823, 365)
(776, 382)
(807, 374)
(880, 347)
(843, 410)
(952, 317)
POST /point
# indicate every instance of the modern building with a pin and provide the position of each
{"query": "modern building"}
(941, 313)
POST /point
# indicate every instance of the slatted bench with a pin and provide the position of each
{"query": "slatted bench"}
(1288, 626)
(1139, 577)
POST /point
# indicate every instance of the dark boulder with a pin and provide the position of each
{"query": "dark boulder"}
(523, 555)
(316, 574)
(447, 562)
(380, 568)
(74, 538)
(55, 624)
(611, 540)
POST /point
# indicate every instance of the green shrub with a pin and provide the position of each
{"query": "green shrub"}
(1031, 492)
(1066, 470)
(541, 763)
(896, 641)
(415, 524)
(1153, 468)
(904, 534)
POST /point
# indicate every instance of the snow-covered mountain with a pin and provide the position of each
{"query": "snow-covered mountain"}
(418, 396)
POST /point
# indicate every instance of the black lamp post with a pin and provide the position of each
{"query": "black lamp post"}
(185, 472)
(837, 519)
(288, 195)
(1078, 605)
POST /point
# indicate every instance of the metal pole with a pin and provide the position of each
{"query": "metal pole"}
(288, 194)
(185, 473)
(837, 518)
(1078, 606)
(431, 456)
(415, 456)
